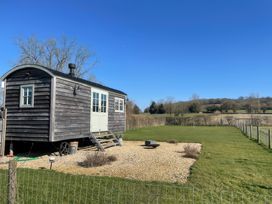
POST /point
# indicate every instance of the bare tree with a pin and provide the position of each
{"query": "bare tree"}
(169, 104)
(195, 105)
(254, 103)
(195, 97)
(56, 54)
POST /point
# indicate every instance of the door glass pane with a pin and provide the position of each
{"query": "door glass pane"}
(103, 103)
(95, 102)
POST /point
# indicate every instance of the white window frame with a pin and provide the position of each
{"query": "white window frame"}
(120, 101)
(22, 87)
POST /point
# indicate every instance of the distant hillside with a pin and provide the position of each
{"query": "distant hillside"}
(223, 105)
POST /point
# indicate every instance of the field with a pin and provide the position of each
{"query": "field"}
(231, 169)
(229, 160)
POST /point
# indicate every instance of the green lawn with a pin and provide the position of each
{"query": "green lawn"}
(229, 161)
(231, 169)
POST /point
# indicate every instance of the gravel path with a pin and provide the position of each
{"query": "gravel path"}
(165, 163)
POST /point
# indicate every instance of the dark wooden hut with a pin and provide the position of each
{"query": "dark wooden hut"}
(45, 105)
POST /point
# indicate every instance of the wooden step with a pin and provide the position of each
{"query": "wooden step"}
(108, 145)
(88, 148)
(105, 140)
(105, 137)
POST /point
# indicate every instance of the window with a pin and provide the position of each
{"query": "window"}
(95, 102)
(103, 103)
(27, 96)
(119, 105)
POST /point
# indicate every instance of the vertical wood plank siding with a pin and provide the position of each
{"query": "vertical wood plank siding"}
(28, 124)
(72, 112)
(117, 121)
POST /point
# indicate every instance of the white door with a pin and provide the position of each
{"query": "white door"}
(99, 110)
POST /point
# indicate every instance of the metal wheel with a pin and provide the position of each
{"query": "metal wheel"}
(64, 148)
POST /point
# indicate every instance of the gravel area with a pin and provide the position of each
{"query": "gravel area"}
(165, 163)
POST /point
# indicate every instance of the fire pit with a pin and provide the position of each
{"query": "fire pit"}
(151, 144)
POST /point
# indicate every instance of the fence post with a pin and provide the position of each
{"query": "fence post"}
(269, 139)
(258, 134)
(250, 132)
(3, 136)
(246, 131)
(12, 182)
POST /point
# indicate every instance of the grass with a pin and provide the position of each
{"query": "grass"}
(228, 161)
(230, 169)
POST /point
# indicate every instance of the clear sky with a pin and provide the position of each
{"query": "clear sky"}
(156, 49)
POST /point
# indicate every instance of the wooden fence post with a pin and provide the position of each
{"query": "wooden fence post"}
(269, 139)
(12, 182)
(258, 134)
(3, 136)
(246, 130)
(250, 132)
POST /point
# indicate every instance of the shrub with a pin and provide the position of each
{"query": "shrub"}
(172, 141)
(112, 158)
(191, 151)
(97, 159)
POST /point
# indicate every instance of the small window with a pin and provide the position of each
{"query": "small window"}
(119, 105)
(27, 96)
(103, 103)
(95, 102)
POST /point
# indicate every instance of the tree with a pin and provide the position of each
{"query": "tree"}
(213, 108)
(248, 108)
(180, 108)
(169, 105)
(234, 106)
(56, 54)
(129, 107)
(153, 108)
(194, 107)
(264, 108)
(146, 110)
(136, 109)
(161, 109)
(132, 108)
(254, 103)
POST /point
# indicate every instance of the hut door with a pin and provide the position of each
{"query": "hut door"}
(99, 110)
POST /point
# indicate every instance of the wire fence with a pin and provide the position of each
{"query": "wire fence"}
(262, 135)
(48, 186)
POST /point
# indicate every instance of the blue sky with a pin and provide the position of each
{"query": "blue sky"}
(156, 49)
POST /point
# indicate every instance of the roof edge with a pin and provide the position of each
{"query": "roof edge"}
(55, 73)
(23, 66)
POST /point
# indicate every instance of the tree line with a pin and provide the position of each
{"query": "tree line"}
(251, 104)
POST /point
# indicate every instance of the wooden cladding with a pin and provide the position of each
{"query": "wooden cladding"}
(28, 123)
(72, 111)
(117, 120)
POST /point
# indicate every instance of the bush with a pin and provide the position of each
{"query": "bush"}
(112, 158)
(172, 141)
(191, 151)
(97, 159)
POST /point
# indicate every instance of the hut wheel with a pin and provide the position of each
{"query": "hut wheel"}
(64, 148)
